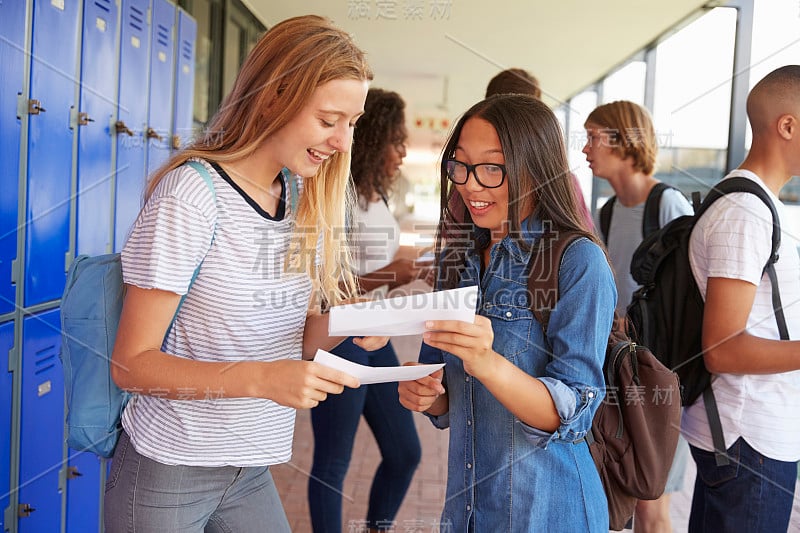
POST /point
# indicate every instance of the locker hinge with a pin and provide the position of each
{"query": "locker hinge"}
(62, 479)
(22, 109)
(13, 361)
(8, 515)
(73, 118)
(14, 271)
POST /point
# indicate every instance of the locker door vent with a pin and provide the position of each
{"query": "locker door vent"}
(163, 35)
(105, 5)
(136, 18)
(186, 50)
(45, 360)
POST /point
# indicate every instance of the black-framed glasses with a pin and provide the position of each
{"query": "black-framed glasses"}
(488, 175)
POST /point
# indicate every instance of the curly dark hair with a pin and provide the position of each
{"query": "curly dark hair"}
(381, 127)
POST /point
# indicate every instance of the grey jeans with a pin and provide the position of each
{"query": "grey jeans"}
(144, 496)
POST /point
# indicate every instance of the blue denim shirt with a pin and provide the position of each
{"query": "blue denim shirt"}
(504, 475)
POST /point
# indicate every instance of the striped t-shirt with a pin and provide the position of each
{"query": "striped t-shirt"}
(242, 306)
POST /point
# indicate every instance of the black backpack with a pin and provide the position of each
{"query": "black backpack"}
(650, 219)
(635, 430)
(666, 313)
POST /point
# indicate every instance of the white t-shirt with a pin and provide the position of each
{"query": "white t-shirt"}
(733, 240)
(376, 237)
(625, 235)
(242, 306)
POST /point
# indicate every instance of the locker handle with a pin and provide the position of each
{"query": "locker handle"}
(73, 472)
(83, 118)
(122, 128)
(24, 510)
(35, 107)
(153, 134)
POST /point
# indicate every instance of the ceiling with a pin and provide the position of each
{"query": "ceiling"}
(440, 54)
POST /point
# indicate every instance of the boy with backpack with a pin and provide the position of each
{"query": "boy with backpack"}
(621, 148)
(745, 343)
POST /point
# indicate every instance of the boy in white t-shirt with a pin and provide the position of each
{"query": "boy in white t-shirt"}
(756, 381)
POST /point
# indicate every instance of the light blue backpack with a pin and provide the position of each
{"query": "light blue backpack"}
(90, 312)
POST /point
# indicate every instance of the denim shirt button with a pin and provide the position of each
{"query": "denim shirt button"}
(590, 394)
(508, 314)
(469, 466)
(469, 422)
(466, 378)
(469, 507)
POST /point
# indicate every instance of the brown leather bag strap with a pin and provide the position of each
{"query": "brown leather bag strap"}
(543, 269)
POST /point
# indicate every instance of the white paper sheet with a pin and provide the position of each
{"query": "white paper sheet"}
(403, 315)
(375, 374)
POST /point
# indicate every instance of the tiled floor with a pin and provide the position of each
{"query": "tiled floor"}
(424, 500)
(423, 503)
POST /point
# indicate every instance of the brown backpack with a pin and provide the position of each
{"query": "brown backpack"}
(635, 430)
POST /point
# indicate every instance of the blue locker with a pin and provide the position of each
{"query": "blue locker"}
(84, 492)
(6, 386)
(184, 80)
(50, 138)
(12, 62)
(132, 116)
(41, 422)
(97, 107)
(159, 114)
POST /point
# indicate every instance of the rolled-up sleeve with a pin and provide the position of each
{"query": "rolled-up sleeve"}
(431, 355)
(577, 334)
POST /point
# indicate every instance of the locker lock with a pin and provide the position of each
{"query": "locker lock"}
(83, 118)
(35, 107)
(24, 510)
(72, 472)
(153, 134)
(122, 128)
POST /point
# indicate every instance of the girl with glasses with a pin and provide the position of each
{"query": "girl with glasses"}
(517, 403)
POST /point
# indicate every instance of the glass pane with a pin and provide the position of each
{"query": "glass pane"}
(233, 55)
(579, 108)
(202, 13)
(776, 28)
(692, 101)
(626, 83)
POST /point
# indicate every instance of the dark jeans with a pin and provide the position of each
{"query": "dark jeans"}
(335, 422)
(753, 493)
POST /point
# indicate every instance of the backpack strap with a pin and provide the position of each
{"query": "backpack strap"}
(727, 186)
(291, 179)
(605, 218)
(652, 209)
(543, 268)
(741, 184)
(197, 166)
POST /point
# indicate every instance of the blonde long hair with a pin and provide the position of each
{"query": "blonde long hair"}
(275, 82)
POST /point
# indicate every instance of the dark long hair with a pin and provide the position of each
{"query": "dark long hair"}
(380, 127)
(537, 172)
